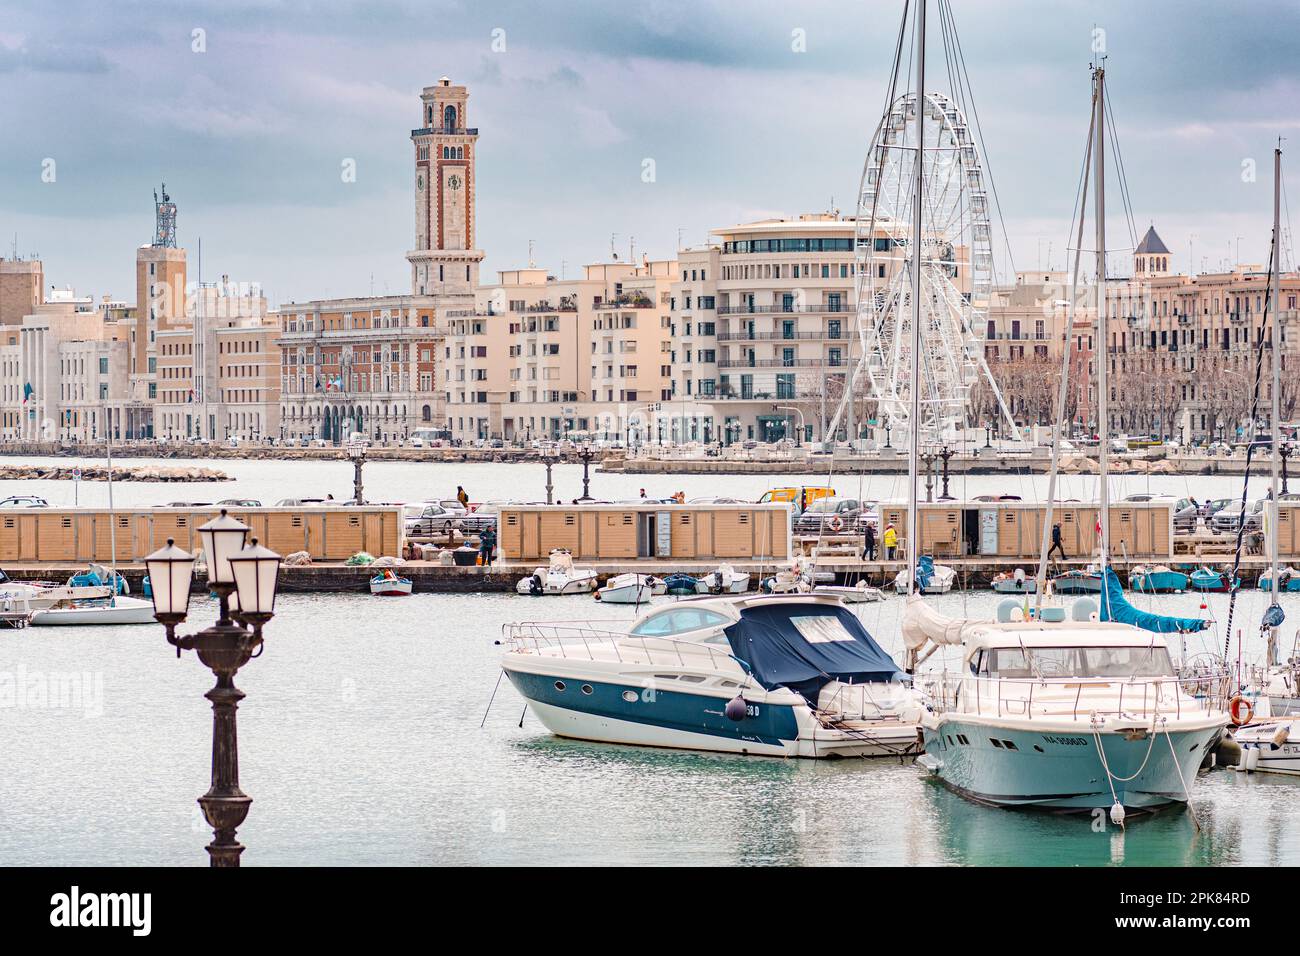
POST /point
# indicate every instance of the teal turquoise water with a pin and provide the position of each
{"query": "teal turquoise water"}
(360, 743)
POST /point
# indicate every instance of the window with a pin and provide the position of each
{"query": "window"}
(678, 621)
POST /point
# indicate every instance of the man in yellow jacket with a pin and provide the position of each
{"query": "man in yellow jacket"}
(890, 541)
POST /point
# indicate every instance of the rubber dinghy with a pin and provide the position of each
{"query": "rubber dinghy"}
(1115, 607)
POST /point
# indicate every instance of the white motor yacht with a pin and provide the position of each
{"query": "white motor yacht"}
(779, 675)
(726, 580)
(1063, 714)
(114, 609)
(931, 578)
(559, 577)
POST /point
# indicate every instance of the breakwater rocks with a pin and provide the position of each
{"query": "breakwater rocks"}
(120, 473)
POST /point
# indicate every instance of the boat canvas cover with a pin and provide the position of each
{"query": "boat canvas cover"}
(805, 647)
(1115, 607)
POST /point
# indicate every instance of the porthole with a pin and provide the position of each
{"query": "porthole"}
(586, 689)
(559, 685)
(629, 696)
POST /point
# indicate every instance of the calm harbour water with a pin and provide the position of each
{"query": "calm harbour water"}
(360, 737)
(360, 744)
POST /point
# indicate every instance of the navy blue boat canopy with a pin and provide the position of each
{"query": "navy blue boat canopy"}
(804, 647)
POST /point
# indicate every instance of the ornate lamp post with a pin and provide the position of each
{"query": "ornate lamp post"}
(245, 580)
(548, 458)
(888, 429)
(357, 452)
(944, 454)
(586, 455)
(928, 460)
(1284, 451)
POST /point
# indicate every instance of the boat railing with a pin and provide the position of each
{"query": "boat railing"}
(583, 642)
(1079, 698)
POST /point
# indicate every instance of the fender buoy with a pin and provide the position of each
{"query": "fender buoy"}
(1240, 710)
(535, 585)
(836, 523)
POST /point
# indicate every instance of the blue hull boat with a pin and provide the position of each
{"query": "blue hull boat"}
(1205, 579)
(1077, 582)
(1158, 580)
(1288, 579)
(682, 585)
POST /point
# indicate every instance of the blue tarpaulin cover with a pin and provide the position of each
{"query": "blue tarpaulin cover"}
(774, 640)
(1115, 607)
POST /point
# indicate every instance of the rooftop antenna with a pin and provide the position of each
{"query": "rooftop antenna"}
(613, 238)
(631, 249)
(679, 237)
(563, 264)
(531, 264)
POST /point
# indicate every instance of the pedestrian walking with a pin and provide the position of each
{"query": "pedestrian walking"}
(463, 497)
(1056, 543)
(869, 543)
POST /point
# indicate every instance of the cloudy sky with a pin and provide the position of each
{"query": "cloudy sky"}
(250, 133)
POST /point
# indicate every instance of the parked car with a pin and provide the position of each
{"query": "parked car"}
(830, 516)
(239, 503)
(24, 501)
(433, 519)
(1214, 506)
(1228, 519)
(301, 502)
(1186, 513)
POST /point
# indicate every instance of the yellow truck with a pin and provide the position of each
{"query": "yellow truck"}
(799, 498)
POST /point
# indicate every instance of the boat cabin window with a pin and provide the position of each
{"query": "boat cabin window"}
(678, 621)
(1049, 662)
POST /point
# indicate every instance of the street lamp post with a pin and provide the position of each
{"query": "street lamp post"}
(548, 458)
(944, 454)
(357, 452)
(586, 455)
(887, 431)
(1284, 451)
(928, 459)
(244, 579)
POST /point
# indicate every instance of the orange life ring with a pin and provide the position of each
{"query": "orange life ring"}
(836, 523)
(1235, 708)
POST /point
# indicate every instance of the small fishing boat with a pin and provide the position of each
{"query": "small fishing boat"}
(726, 580)
(1157, 579)
(931, 578)
(96, 575)
(1207, 579)
(630, 589)
(783, 676)
(1269, 745)
(1288, 579)
(860, 593)
(1078, 581)
(682, 585)
(559, 577)
(1014, 582)
(113, 609)
(792, 580)
(388, 584)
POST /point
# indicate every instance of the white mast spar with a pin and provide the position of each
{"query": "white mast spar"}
(1274, 281)
(914, 425)
(1103, 346)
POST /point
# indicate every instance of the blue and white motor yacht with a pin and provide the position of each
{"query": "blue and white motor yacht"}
(780, 675)
(1064, 714)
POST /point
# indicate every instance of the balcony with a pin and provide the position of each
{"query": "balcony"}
(445, 131)
(777, 336)
(839, 308)
(773, 363)
(624, 302)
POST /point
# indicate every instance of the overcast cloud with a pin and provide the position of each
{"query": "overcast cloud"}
(251, 134)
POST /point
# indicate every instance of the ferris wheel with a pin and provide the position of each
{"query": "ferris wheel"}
(955, 260)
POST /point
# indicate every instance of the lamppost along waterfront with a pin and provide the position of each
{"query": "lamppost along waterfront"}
(586, 455)
(944, 454)
(548, 459)
(357, 452)
(244, 578)
(1284, 452)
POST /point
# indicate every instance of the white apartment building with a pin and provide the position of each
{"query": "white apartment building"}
(64, 375)
(540, 357)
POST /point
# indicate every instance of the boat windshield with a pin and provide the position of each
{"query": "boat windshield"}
(1048, 662)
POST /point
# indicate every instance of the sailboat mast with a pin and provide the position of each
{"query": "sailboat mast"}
(1103, 345)
(1273, 293)
(914, 429)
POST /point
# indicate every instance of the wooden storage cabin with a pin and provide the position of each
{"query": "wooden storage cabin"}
(741, 532)
(1014, 529)
(80, 535)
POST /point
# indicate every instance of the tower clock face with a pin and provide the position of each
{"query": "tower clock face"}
(453, 182)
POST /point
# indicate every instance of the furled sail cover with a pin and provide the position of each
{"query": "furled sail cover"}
(805, 646)
(923, 623)
(1117, 608)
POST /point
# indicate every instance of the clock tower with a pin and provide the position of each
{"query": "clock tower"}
(444, 259)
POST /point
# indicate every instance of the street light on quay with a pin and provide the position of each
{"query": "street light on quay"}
(586, 454)
(357, 452)
(245, 578)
